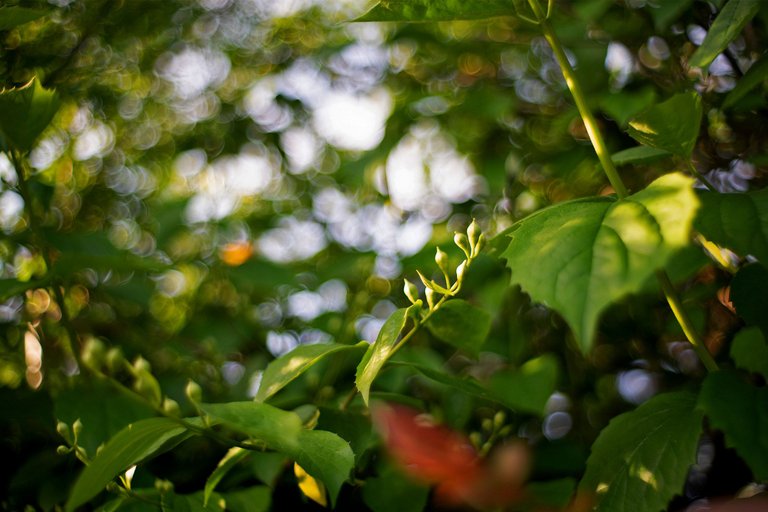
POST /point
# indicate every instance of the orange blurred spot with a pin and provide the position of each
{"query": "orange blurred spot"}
(235, 254)
(434, 454)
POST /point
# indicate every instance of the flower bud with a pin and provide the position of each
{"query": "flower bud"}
(141, 365)
(411, 291)
(473, 232)
(115, 359)
(63, 450)
(461, 240)
(171, 407)
(461, 271)
(93, 353)
(441, 258)
(77, 427)
(63, 430)
(194, 392)
(431, 296)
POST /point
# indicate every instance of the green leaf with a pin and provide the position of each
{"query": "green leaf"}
(756, 75)
(624, 105)
(394, 492)
(579, 257)
(323, 455)
(740, 410)
(135, 443)
(460, 324)
(254, 499)
(25, 112)
(750, 351)
(437, 10)
(748, 295)
(641, 459)
(639, 155)
(11, 17)
(379, 351)
(672, 125)
(351, 426)
(736, 221)
(465, 384)
(529, 387)
(726, 27)
(233, 456)
(280, 372)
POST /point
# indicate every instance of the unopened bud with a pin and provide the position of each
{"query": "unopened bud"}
(461, 240)
(141, 365)
(473, 232)
(115, 359)
(147, 386)
(411, 291)
(63, 430)
(171, 407)
(480, 244)
(487, 425)
(194, 392)
(441, 258)
(431, 295)
(476, 439)
(77, 427)
(93, 353)
(499, 418)
(461, 270)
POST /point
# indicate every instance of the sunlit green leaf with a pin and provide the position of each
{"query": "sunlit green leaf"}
(736, 221)
(234, 456)
(749, 350)
(135, 443)
(25, 112)
(529, 387)
(323, 455)
(13, 16)
(581, 256)
(379, 351)
(728, 400)
(672, 125)
(437, 10)
(726, 27)
(641, 459)
(460, 324)
(280, 372)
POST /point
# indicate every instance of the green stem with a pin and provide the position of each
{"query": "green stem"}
(685, 322)
(696, 174)
(581, 103)
(613, 176)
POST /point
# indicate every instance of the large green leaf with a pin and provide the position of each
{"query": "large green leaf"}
(672, 125)
(748, 295)
(14, 16)
(379, 351)
(579, 257)
(135, 443)
(323, 455)
(231, 459)
(280, 372)
(460, 324)
(529, 387)
(740, 410)
(641, 459)
(438, 10)
(25, 112)
(736, 221)
(726, 27)
(750, 351)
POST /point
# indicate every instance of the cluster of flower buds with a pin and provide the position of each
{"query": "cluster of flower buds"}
(471, 243)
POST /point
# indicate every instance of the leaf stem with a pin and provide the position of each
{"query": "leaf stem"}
(613, 176)
(595, 136)
(696, 174)
(685, 322)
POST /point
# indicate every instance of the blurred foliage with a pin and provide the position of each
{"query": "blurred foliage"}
(191, 189)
